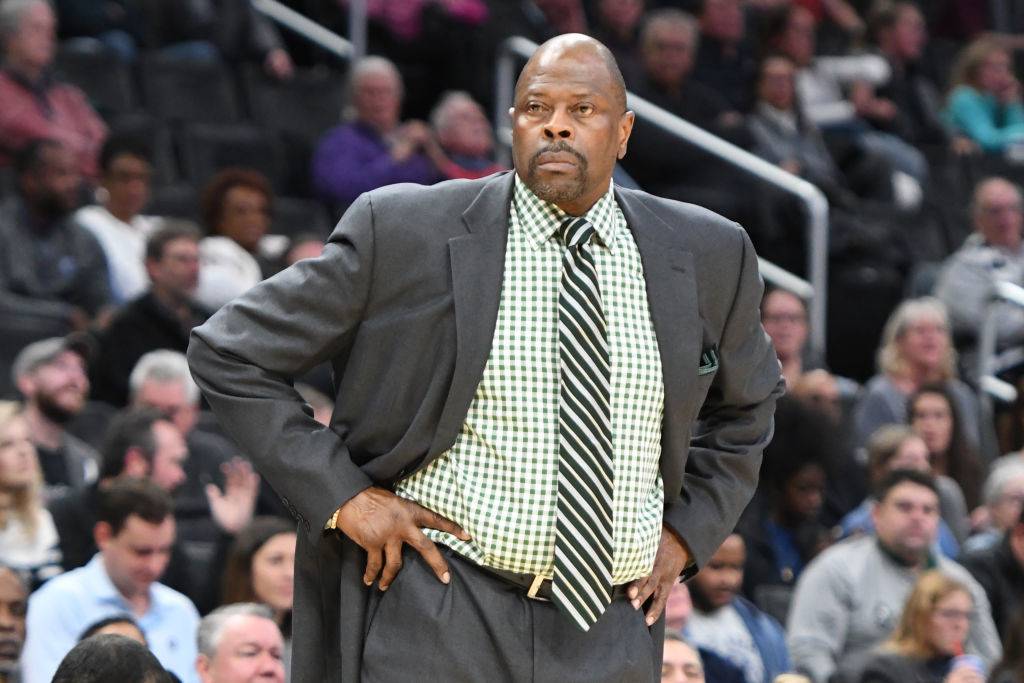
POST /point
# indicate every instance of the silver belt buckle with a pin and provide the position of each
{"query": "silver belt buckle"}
(538, 580)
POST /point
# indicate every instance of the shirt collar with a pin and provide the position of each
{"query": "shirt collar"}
(106, 592)
(540, 219)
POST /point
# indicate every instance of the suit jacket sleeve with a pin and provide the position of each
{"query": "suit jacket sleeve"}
(245, 357)
(734, 425)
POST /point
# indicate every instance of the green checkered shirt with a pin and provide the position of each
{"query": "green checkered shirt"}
(499, 480)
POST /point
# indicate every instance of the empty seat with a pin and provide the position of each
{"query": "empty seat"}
(180, 90)
(207, 148)
(303, 107)
(102, 76)
(294, 217)
(175, 201)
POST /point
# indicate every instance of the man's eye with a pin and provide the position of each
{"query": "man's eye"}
(585, 109)
(533, 107)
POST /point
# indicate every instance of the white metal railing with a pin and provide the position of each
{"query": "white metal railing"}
(992, 386)
(815, 291)
(312, 31)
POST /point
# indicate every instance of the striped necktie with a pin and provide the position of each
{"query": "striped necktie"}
(583, 532)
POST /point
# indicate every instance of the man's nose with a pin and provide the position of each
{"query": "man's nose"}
(559, 126)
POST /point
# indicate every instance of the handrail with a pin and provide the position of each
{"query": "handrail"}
(1001, 292)
(811, 196)
(305, 27)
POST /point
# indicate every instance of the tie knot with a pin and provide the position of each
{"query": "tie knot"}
(576, 231)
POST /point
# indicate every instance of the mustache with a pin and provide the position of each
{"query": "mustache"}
(560, 146)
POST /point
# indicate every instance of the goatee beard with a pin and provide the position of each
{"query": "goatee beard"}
(53, 411)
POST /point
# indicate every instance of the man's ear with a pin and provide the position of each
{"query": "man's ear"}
(625, 129)
(135, 463)
(102, 533)
(26, 385)
(203, 667)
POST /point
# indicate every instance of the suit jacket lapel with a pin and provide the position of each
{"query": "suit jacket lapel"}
(478, 265)
(672, 297)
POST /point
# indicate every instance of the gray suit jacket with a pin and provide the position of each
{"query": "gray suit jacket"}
(403, 303)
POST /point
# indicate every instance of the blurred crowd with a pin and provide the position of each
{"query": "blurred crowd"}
(159, 158)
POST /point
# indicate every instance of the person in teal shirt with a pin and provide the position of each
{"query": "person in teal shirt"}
(985, 102)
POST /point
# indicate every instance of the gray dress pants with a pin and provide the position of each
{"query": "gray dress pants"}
(480, 629)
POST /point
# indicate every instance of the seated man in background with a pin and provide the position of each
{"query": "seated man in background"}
(13, 604)
(728, 624)
(375, 148)
(993, 253)
(126, 170)
(1000, 571)
(144, 444)
(51, 376)
(1003, 501)
(135, 533)
(35, 106)
(849, 598)
(464, 133)
(240, 643)
(50, 266)
(160, 318)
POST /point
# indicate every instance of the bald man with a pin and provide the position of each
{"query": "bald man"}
(552, 397)
(992, 253)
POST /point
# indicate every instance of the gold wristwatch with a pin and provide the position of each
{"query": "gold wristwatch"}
(332, 523)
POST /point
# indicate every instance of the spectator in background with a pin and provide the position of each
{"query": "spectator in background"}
(28, 538)
(464, 133)
(143, 444)
(984, 103)
(725, 59)
(117, 25)
(126, 171)
(375, 148)
(51, 375)
(135, 533)
(898, 30)
(680, 662)
(109, 657)
(1003, 496)
(678, 609)
(260, 568)
(728, 624)
(932, 414)
(896, 447)
(236, 208)
(50, 266)
(617, 25)
(1000, 571)
(850, 598)
(916, 350)
(992, 253)
(784, 316)
(239, 643)
(781, 528)
(930, 633)
(160, 318)
(212, 30)
(820, 83)
(35, 106)
(13, 605)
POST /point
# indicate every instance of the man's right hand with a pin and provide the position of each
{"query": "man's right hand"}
(380, 522)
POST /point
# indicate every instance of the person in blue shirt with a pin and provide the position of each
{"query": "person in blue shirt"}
(134, 532)
(985, 101)
(730, 625)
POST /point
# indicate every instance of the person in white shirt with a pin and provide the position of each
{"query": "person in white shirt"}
(116, 221)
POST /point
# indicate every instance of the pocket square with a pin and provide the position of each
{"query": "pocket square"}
(708, 360)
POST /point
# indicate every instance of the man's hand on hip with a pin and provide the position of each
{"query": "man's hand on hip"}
(669, 562)
(380, 522)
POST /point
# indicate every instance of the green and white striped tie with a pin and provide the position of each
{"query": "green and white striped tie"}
(582, 582)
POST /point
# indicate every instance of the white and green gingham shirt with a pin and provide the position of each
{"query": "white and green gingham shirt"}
(499, 479)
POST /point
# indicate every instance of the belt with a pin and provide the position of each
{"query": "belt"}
(535, 585)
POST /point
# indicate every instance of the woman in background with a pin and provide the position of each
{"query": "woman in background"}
(28, 537)
(928, 639)
(260, 568)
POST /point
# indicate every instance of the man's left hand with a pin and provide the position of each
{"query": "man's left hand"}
(669, 562)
